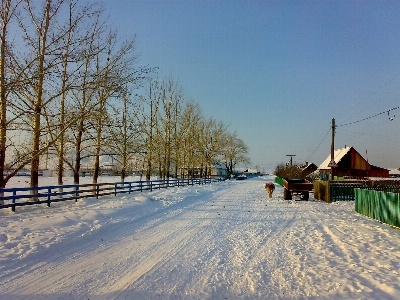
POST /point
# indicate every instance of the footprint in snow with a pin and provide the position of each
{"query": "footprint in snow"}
(3, 238)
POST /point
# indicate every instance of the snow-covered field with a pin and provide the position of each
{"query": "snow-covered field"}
(221, 241)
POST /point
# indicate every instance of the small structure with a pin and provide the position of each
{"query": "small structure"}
(308, 168)
(218, 170)
(350, 164)
(394, 173)
(251, 172)
(215, 170)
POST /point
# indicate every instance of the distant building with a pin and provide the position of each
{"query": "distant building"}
(308, 168)
(350, 164)
(394, 173)
(219, 170)
(251, 172)
(216, 170)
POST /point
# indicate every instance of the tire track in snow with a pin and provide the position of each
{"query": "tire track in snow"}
(359, 280)
(199, 242)
(200, 262)
(91, 252)
(154, 256)
(226, 258)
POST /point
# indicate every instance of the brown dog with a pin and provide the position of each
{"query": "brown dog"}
(270, 187)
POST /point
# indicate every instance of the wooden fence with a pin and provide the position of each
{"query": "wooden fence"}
(13, 197)
(322, 190)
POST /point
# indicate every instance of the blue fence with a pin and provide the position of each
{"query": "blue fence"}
(13, 197)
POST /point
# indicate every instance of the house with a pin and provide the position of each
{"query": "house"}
(216, 170)
(308, 168)
(350, 163)
(251, 172)
(219, 170)
(394, 173)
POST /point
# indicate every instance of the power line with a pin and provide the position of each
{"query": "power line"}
(381, 137)
(319, 144)
(384, 85)
(381, 113)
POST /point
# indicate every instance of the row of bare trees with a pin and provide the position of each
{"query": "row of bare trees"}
(180, 140)
(69, 84)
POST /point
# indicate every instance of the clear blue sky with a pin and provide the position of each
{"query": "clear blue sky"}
(278, 71)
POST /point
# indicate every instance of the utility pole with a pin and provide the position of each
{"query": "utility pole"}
(291, 158)
(332, 163)
(333, 141)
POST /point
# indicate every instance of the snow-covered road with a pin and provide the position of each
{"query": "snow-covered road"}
(218, 241)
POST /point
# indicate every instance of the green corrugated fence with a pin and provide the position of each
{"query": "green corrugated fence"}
(379, 205)
(278, 180)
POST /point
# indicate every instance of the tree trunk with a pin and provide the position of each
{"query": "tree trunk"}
(3, 100)
(39, 100)
(77, 167)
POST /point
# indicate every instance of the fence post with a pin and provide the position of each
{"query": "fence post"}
(97, 191)
(328, 192)
(13, 201)
(76, 193)
(115, 189)
(48, 196)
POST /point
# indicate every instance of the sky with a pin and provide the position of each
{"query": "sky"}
(278, 72)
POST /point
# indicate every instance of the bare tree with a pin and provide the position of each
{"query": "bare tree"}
(48, 37)
(42, 42)
(187, 139)
(149, 124)
(116, 70)
(71, 55)
(125, 136)
(234, 151)
(211, 132)
(84, 102)
(171, 100)
(7, 14)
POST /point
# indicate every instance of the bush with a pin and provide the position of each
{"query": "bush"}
(285, 171)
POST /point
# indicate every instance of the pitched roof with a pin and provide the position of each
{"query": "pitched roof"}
(309, 166)
(218, 165)
(337, 156)
(394, 171)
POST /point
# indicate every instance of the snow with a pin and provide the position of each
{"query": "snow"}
(225, 240)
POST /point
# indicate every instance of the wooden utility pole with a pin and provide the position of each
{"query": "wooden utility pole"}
(332, 164)
(291, 158)
(333, 140)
